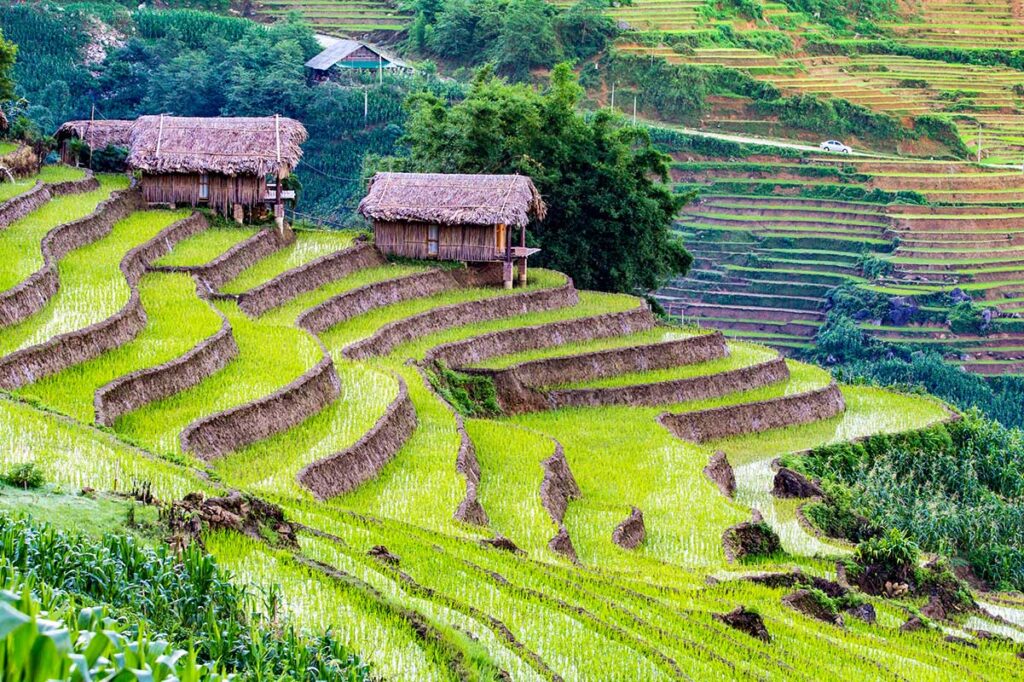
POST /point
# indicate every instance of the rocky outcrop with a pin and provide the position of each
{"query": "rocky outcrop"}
(631, 533)
(792, 484)
(308, 277)
(720, 472)
(733, 420)
(191, 516)
(864, 612)
(365, 298)
(54, 355)
(498, 307)
(753, 538)
(145, 386)
(747, 622)
(463, 353)
(346, 470)
(229, 430)
(32, 294)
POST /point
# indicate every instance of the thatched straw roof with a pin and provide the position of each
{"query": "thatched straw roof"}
(98, 134)
(229, 146)
(453, 199)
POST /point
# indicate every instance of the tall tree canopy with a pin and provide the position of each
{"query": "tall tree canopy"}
(609, 219)
(8, 53)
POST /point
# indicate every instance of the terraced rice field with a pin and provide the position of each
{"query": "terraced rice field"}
(341, 17)
(394, 466)
(767, 258)
(992, 24)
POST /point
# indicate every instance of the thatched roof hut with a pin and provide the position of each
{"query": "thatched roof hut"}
(98, 134)
(226, 146)
(453, 199)
(453, 217)
(353, 54)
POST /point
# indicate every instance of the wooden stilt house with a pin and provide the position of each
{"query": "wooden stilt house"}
(469, 218)
(224, 163)
(98, 135)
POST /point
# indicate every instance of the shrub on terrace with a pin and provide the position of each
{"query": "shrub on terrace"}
(955, 489)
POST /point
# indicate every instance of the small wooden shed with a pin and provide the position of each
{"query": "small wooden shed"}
(97, 134)
(351, 54)
(224, 163)
(467, 218)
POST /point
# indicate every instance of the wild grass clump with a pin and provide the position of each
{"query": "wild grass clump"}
(470, 394)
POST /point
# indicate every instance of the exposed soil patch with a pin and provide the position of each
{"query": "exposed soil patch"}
(562, 544)
(750, 539)
(721, 474)
(631, 533)
(808, 604)
(189, 517)
(747, 622)
(381, 554)
(790, 484)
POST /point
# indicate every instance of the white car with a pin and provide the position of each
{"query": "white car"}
(834, 146)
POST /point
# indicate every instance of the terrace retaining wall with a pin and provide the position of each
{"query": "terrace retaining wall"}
(557, 489)
(32, 294)
(348, 469)
(54, 355)
(308, 277)
(466, 463)
(733, 420)
(368, 297)
(676, 391)
(18, 207)
(229, 264)
(132, 391)
(503, 342)
(391, 335)
(231, 429)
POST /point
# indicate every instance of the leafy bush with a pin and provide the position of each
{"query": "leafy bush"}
(189, 598)
(27, 476)
(470, 394)
(873, 267)
(893, 549)
(956, 489)
(942, 130)
(966, 318)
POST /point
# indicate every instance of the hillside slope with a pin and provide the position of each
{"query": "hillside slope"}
(443, 546)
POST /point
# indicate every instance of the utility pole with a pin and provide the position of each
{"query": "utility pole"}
(634, 109)
(613, 97)
(979, 143)
(366, 105)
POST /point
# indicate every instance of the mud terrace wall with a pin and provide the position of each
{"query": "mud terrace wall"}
(227, 431)
(30, 364)
(31, 295)
(506, 341)
(229, 264)
(677, 391)
(618, 361)
(365, 298)
(466, 463)
(733, 420)
(40, 193)
(308, 277)
(148, 385)
(445, 317)
(346, 470)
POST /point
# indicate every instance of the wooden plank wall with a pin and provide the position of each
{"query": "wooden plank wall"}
(225, 191)
(473, 243)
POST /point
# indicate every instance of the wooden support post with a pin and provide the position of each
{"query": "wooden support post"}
(521, 262)
(279, 206)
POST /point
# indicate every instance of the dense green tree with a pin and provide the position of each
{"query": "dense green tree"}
(8, 55)
(609, 219)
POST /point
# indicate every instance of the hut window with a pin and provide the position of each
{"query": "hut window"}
(204, 187)
(432, 234)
